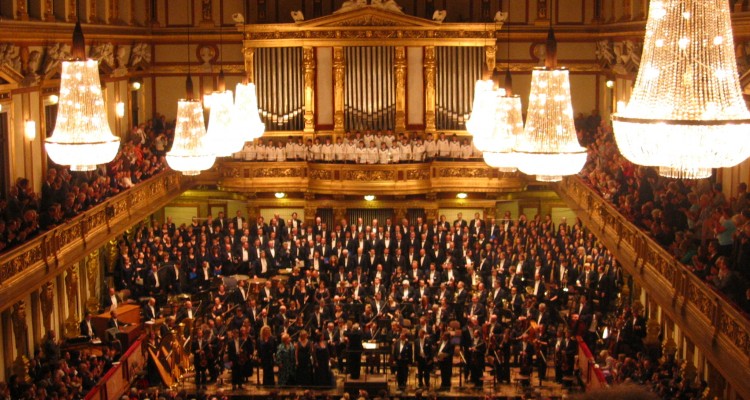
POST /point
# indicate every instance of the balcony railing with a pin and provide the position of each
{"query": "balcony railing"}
(395, 179)
(40, 259)
(707, 318)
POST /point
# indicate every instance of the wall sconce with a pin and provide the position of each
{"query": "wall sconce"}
(280, 195)
(135, 84)
(120, 109)
(610, 83)
(30, 129)
(53, 99)
(369, 197)
(461, 195)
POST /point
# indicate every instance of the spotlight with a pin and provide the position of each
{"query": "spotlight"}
(30, 129)
(610, 83)
(370, 197)
(280, 195)
(53, 99)
(461, 195)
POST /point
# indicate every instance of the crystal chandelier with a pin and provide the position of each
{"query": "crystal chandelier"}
(508, 127)
(82, 137)
(222, 132)
(548, 147)
(247, 118)
(686, 114)
(191, 151)
(482, 110)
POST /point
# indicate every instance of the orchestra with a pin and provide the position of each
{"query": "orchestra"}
(507, 295)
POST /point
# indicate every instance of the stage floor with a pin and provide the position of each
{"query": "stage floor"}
(459, 388)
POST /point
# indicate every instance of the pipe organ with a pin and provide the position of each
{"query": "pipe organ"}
(370, 89)
(366, 67)
(458, 68)
(279, 78)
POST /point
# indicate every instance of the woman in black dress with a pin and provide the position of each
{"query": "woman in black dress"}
(304, 360)
(322, 357)
(266, 350)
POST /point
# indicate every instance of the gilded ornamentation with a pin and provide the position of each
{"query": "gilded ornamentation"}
(47, 303)
(278, 173)
(417, 174)
(464, 172)
(321, 174)
(229, 172)
(368, 175)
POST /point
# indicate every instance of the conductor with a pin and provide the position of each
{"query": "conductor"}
(354, 345)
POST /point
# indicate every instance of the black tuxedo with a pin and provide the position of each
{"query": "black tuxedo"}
(403, 356)
(423, 355)
(86, 330)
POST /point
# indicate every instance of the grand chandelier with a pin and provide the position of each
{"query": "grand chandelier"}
(508, 127)
(482, 110)
(548, 146)
(246, 117)
(686, 114)
(191, 150)
(82, 137)
(222, 132)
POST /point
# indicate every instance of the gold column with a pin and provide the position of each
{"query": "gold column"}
(71, 292)
(310, 212)
(249, 53)
(429, 90)
(308, 57)
(339, 69)
(400, 69)
(489, 57)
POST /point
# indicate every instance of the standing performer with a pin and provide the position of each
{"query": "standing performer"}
(303, 355)
(322, 363)
(285, 359)
(402, 355)
(266, 349)
(445, 360)
(424, 357)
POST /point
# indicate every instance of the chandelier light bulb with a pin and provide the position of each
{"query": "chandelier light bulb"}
(686, 114)
(30, 130)
(223, 135)
(82, 137)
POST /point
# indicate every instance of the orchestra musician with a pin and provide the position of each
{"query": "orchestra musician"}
(423, 355)
(444, 358)
(403, 357)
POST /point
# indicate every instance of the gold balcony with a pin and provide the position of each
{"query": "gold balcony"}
(714, 325)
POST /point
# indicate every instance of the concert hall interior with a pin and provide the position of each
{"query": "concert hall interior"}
(374, 199)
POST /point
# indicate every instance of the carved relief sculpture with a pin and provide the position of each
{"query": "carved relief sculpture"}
(541, 9)
(207, 12)
(22, 12)
(140, 56)
(49, 11)
(55, 54)
(47, 303)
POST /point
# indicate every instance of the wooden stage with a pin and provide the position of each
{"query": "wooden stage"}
(459, 390)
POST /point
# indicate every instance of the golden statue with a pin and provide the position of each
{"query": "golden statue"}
(92, 277)
(47, 302)
(20, 333)
(71, 289)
